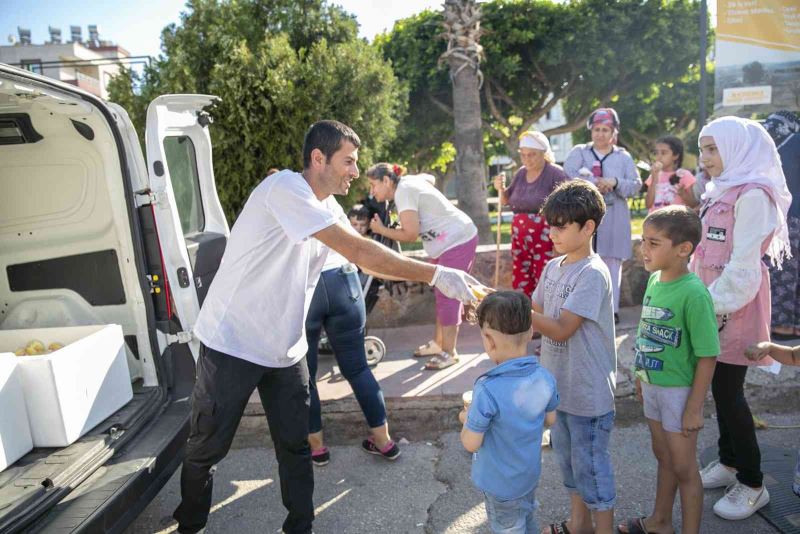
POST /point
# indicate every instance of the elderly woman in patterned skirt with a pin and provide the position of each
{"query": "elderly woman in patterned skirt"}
(530, 236)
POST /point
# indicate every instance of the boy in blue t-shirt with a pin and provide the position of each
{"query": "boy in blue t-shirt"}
(511, 404)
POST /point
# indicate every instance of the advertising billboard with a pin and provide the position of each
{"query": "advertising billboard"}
(757, 63)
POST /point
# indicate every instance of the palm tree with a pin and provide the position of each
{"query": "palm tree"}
(463, 56)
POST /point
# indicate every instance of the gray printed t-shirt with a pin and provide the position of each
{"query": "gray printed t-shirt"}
(585, 366)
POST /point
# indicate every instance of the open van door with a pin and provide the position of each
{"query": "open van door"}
(192, 229)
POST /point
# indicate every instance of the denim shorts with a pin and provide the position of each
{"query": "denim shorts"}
(581, 446)
(516, 516)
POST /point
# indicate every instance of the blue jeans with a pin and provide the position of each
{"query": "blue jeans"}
(516, 516)
(581, 446)
(338, 305)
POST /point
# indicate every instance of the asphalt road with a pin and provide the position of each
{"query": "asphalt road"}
(427, 490)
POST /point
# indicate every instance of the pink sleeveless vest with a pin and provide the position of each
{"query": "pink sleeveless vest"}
(751, 324)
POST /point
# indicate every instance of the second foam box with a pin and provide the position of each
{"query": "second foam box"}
(70, 390)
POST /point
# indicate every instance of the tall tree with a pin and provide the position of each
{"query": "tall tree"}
(538, 52)
(462, 24)
(666, 108)
(278, 66)
(424, 142)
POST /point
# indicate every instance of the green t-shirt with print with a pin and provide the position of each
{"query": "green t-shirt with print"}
(677, 327)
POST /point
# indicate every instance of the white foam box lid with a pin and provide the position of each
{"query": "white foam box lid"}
(69, 391)
(15, 433)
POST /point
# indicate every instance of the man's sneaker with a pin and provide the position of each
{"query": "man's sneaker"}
(716, 475)
(321, 456)
(390, 451)
(740, 502)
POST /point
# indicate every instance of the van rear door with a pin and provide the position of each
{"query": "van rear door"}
(192, 228)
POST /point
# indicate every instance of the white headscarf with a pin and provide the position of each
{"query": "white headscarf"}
(537, 141)
(749, 156)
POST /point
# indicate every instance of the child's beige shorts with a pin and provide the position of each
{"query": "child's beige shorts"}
(665, 404)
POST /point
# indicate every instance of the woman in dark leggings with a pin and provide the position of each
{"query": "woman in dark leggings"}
(338, 306)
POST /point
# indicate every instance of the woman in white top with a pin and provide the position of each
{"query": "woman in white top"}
(448, 236)
(338, 307)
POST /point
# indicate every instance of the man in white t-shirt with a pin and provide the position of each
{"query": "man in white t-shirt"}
(252, 323)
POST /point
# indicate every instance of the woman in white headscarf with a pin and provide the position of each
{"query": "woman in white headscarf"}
(531, 248)
(744, 218)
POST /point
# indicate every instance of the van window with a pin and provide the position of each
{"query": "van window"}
(182, 165)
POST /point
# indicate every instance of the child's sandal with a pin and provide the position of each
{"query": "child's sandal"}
(636, 525)
(556, 528)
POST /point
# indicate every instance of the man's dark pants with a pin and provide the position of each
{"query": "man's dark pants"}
(224, 385)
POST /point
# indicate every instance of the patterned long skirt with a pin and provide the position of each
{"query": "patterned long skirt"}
(531, 249)
(785, 283)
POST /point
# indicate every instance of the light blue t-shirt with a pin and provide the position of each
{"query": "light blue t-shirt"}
(508, 407)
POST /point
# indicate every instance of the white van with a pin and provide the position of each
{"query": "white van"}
(91, 235)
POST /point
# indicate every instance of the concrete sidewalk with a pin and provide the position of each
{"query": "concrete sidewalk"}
(402, 376)
(421, 404)
(428, 489)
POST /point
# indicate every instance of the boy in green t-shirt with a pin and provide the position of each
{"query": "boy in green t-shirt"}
(676, 350)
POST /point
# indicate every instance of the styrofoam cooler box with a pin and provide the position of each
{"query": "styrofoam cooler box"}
(15, 434)
(69, 391)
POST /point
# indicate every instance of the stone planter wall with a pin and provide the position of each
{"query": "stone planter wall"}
(406, 303)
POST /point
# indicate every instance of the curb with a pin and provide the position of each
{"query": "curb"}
(414, 419)
(426, 418)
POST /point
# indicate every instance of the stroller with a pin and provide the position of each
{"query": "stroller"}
(374, 346)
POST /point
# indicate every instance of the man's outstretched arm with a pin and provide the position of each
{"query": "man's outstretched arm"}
(378, 258)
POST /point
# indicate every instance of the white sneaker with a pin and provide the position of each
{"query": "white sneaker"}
(716, 475)
(741, 502)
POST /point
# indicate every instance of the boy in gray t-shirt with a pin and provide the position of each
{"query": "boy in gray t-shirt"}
(573, 309)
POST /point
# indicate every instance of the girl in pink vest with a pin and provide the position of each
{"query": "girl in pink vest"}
(744, 218)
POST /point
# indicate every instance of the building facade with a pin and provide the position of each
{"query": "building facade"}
(561, 143)
(88, 64)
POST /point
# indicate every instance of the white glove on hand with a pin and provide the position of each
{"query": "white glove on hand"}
(455, 284)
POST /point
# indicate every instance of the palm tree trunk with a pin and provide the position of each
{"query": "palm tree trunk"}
(462, 28)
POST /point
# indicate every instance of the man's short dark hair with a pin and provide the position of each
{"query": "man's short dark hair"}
(508, 312)
(678, 223)
(359, 212)
(574, 201)
(328, 137)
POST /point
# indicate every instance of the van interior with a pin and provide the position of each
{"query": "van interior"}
(72, 252)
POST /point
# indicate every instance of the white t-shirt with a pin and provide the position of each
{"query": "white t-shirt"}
(442, 226)
(257, 304)
(334, 259)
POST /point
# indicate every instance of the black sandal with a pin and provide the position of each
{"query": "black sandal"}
(637, 526)
(559, 529)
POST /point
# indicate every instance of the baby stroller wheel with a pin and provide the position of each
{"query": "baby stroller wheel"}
(375, 350)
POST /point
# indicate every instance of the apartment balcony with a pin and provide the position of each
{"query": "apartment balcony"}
(85, 82)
